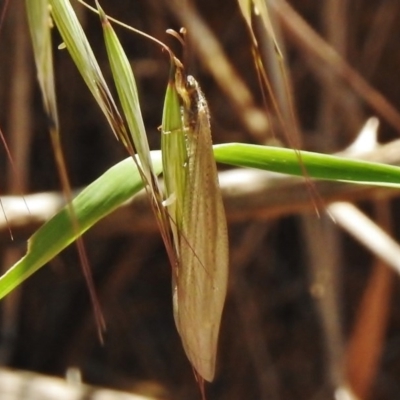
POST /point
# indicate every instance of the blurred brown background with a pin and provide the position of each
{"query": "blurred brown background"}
(297, 282)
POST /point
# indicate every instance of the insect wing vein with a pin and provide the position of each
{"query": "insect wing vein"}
(202, 279)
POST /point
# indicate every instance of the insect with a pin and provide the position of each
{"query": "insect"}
(199, 223)
(190, 215)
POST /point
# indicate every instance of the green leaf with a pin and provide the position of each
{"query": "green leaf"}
(82, 54)
(174, 152)
(317, 165)
(122, 181)
(39, 27)
(127, 91)
(104, 195)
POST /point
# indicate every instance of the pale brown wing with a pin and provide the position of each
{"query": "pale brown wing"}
(203, 273)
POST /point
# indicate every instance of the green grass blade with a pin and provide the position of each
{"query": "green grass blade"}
(77, 44)
(318, 166)
(39, 23)
(127, 92)
(174, 155)
(81, 53)
(123, 181)
(104, 195)
(39, 27)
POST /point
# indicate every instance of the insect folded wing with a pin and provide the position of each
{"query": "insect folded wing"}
(200, 233)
